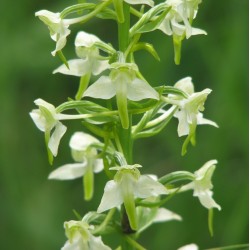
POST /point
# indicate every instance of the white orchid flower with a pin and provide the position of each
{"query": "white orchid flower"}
(47, 119)
(189, 113)
(58, 28)
(80, 237)
(87, 163)
(89, 62)
(189, 247)
(122, 83)
(202, 185)
(127, 185)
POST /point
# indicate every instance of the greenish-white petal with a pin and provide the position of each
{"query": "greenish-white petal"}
(80, 141)
(183, 125)
(138, 90)
(103, 88)
(146, 187)
(77, 67)
(186, 85)
(206, 199)
(38, 119)
(40, 102)
(98, 165)
(69, 171)
(95, 243)
(112, 197)
(148, 2)
(164, 214)
(55, 138)
(84, 39)
(189, 247)
(99, 66)
(203, 121)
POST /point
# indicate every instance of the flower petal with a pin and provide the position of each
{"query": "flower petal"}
(183, 126)
(146, 187)
(80, 141)
(164, 214)
(99, 66)
(68, 171)
(98, 166)
(38, 119)
(95, 243)
(186, 85)
(55, 138)
(103, 88)
(139, 90)
(112, 197)
(84, 39)
(148, 2)
(77, 67)
(202, 121)
(189, 247)
(206, 199)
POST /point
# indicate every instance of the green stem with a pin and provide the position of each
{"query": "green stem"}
(133, 243)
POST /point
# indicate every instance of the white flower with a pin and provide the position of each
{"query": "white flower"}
(88, 53)
(86, 165)
(58, 28)
(127, 185)
(202, 185)
(122, 83)
(189, 247)
(46, 119)
(80, 237)
(189, 114)
(177, 21)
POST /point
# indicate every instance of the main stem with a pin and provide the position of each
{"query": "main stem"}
(125, 134)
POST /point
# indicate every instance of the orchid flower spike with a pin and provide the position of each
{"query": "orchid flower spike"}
(122, 83)
(127, 185)
(190, 108)
(47, 120)
(87, 163)
(58, 28)
(89, 62)
(80, 237)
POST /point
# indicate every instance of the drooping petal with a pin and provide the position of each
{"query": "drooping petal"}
(206, 199)
(55, 138)
(139, 90)
(201, 121)
(146, 187)
(103, 88)
(68, 171)
(77, 67)
(183, 126)
(112, 197)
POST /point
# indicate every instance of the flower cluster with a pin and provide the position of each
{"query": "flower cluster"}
(117, 105)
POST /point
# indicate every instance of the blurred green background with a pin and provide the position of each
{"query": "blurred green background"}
(33, 209)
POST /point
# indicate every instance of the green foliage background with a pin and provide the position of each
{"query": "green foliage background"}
(33, 209)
